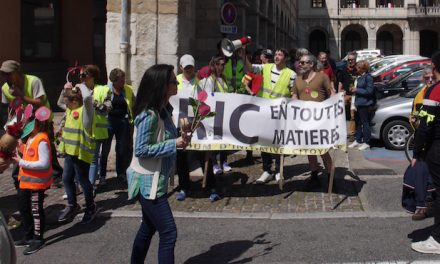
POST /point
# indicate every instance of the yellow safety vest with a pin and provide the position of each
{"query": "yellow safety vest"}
(281, 87)
(28, 79)
(128, 96)
(100, 121)
(77, 141)
(239, 73)
(218, 87)
(194, 86)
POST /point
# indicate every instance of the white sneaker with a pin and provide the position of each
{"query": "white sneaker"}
(65, 196)
(354, 144)
(226, 167)
(429, 246)
(265, 177)
(364, 146)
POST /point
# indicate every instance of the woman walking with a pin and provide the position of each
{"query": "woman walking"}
(155, 146)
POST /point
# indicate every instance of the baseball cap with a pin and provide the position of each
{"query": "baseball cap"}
(268, 53)
(186, 60)
(10, 66)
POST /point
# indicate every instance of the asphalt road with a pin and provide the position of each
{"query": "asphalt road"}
(108, 240)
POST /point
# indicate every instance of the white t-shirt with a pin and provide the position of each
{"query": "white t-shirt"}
(37, 90)
(274, 74)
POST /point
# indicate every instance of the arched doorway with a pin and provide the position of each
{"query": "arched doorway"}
(354, 37)
(428, 42)
(390, 39)
(317, 41)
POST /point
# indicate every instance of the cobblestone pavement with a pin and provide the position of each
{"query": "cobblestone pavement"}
(240, 193)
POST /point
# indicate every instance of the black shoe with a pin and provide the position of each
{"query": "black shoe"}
(22, 243)
(89, 215)
(34, 246)
(68, 214)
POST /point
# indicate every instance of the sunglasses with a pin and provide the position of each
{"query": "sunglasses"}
(304, 62)
(83, 75)
(351, 59)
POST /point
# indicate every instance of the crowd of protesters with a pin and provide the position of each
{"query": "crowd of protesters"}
(145, 132)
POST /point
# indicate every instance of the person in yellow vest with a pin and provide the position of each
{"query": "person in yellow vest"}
(187, 81)
(216, 82)
(35, 177)
(89, 75)
(79, 148)
(120, 123)
(278, 81)
(31, 91)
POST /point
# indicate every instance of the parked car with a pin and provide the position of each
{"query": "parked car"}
(391, 119)
(393, 73)
(385, 72)
(7, 247)
(405, 82)
(381, 63)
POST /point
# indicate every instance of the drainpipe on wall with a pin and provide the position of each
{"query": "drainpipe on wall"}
(124, 37)
(157, 32)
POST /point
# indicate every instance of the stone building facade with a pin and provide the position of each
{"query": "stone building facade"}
(393, 26)
(160, 31)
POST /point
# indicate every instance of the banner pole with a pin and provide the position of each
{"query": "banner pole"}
(332, 173)
(205, 171)
(281, 181)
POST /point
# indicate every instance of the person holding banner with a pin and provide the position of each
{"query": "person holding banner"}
(187, 82)
(216, 83)
(278, 81)
(313, 86)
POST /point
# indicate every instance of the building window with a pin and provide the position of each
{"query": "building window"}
(40, 21)
(318, 3)
(389, 3)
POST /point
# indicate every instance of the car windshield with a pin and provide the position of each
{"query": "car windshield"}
(400, 78)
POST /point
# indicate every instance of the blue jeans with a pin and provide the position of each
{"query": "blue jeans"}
(363, 130)
(75, 168)
(94, 166)
(119, 127)
(156, 216)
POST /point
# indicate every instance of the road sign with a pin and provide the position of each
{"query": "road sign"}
(228, 29)
(228, 13)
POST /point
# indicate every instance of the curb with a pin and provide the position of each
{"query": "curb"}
(268, 216)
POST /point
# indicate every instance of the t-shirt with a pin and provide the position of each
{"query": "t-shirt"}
(317, 90)
(274, 74)
(329, 72)
(37, 90)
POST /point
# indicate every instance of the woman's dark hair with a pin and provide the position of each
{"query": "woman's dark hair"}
(153, 88)
(436, 61)
(42, 126)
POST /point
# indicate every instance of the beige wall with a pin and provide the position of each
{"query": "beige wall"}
(10, 30)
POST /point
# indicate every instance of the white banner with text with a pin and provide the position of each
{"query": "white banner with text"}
(282, 126)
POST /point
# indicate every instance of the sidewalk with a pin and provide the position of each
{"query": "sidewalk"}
(241, 195)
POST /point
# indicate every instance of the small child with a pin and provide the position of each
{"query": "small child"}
(79, 147)
(35, 177)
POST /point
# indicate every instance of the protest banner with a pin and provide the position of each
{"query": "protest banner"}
(280, 126)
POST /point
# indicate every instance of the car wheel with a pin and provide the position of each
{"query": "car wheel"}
(395, 134)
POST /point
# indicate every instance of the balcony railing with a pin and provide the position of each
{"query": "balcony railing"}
(421, 11)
